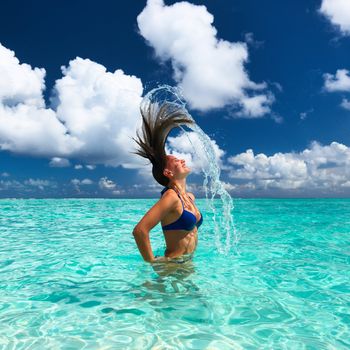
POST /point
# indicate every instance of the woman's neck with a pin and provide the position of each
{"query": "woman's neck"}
(180, 185)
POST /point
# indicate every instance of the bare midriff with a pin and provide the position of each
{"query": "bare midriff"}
(180, 242)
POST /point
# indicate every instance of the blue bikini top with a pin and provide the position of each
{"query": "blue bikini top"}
(187, 221)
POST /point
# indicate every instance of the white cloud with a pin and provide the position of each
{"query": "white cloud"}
(78, 166)
(278, 86)
(28, 187)
(249, 39)
(5, 174)
(325, 168)
(228, 186)
(338, 12)
(101, 109)
(57, 162)
(10, 185)
(210, 71)
(90, 166)
(78, 182)
(87, 182)
(75, 182)
(20, 83)
(94, 113)
(261, 166)
(39, 183)
(26, 126)
(145, 187)
(345, 104)
(256, 106)
(106, 184)
(304, 115)
(338, 82)
(110, 187)
(189, 147)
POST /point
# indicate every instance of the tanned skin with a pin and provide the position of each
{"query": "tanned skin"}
(167, 210)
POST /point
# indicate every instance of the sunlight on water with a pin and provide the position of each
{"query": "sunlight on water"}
(71, 277)
(226, 235)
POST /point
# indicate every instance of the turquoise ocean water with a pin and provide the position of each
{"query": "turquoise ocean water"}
(71, 277)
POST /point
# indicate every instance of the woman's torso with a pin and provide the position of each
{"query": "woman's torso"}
(182, 240)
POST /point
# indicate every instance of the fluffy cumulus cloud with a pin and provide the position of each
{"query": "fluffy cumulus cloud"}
(340, 81)
(322, 169)
(345, 103)
(100, 109)
(92, 118)
(109, 186)
(78, 182)
(57, 162)
(26, 126)
(209, 70)
(106, 184)
(94, 113)
(338, 12)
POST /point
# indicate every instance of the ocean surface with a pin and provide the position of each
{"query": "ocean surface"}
(71, 277)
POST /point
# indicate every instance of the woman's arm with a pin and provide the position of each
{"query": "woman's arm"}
(151, 219)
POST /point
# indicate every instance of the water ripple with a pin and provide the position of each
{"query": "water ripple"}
(71, 277)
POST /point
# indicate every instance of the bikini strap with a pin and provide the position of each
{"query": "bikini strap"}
(164, 190)
(183, 207)
(167, 188)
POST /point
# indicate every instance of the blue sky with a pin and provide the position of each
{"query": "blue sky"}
(267, 81)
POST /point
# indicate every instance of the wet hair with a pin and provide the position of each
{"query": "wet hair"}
(157, 122)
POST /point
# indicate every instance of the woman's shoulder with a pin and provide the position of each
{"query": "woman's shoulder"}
(168, 191)
(169, 199)
(169, 194)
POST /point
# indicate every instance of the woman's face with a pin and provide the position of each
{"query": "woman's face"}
(176, 168)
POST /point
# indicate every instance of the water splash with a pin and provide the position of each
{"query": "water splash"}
(226, 235)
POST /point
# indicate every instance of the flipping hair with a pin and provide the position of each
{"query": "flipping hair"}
(157, 122)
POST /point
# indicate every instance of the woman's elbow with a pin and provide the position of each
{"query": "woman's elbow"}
(138, 231)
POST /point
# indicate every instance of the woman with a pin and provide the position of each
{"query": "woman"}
(176, 210)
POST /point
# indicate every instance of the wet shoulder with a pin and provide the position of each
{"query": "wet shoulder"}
(170, 195)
